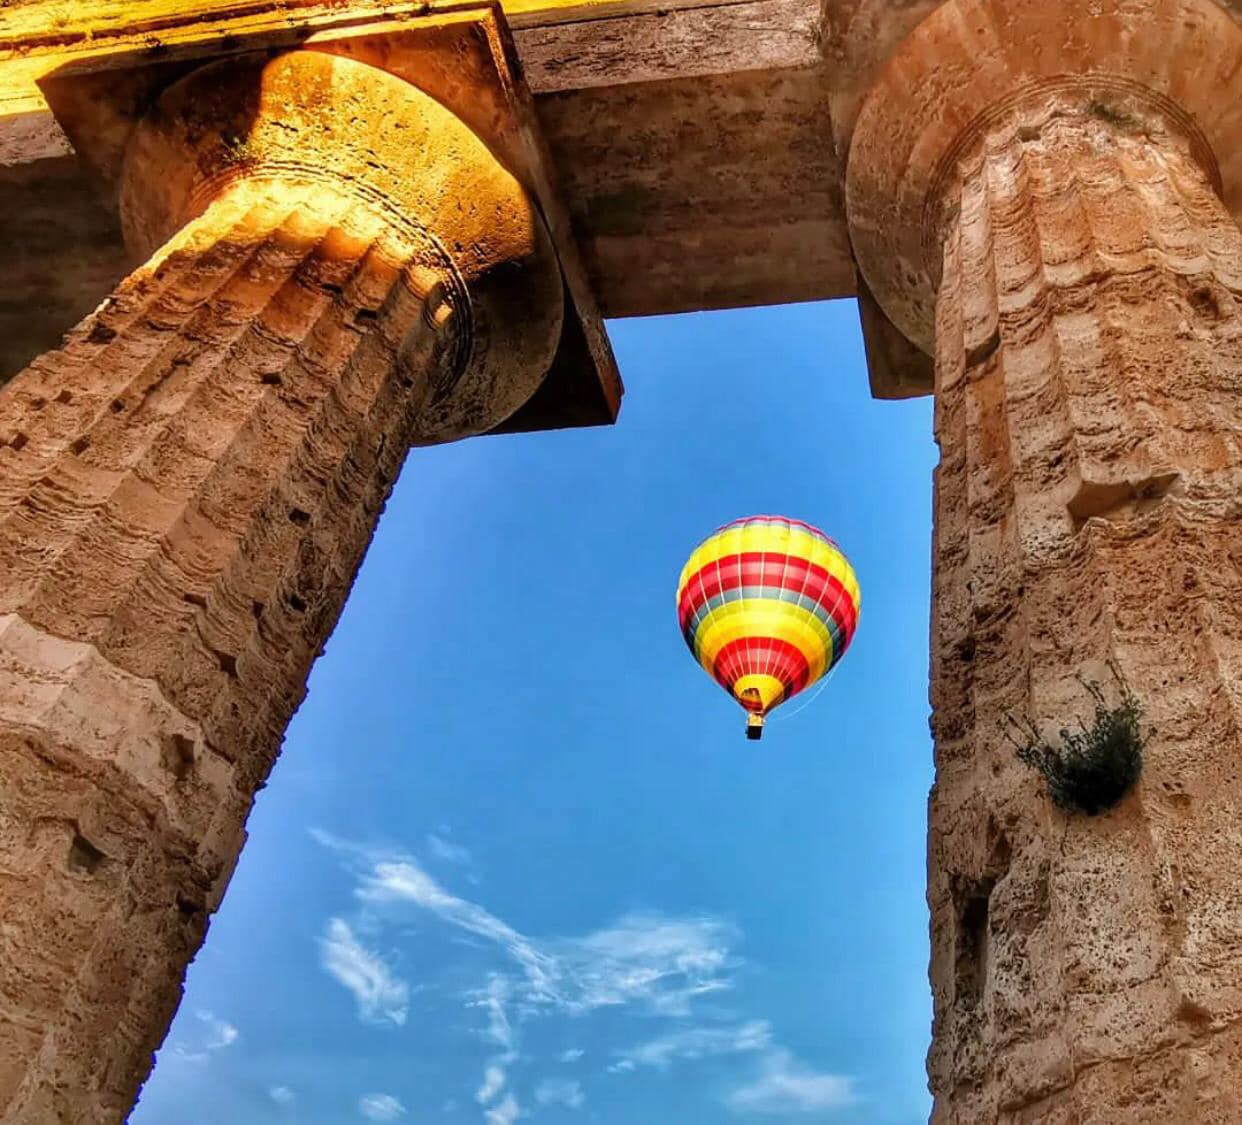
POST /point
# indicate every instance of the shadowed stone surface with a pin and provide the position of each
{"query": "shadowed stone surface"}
(63, 247)
(187, 489)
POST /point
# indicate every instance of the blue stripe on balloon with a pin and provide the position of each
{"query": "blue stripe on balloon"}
(771, 593)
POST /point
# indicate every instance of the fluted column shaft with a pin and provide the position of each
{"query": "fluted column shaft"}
(186, 491)
(1089, 414)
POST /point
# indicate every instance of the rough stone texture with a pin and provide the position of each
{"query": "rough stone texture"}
(756, 100)
(692, 141)
(187, 489)
(651, 46)
(970, 59)
(189, 483)
(705, 192)
(1089, 414)
(1047, 196)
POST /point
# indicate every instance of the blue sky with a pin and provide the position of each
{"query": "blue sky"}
(518, 861)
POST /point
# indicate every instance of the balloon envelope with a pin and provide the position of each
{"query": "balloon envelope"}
(767, 606)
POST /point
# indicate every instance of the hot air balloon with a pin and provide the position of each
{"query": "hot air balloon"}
(768, 605)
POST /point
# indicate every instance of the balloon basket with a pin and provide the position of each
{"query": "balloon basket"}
(754, 727)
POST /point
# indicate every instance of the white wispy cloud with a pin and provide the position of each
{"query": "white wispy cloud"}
(499, 1031)
(699, 1043)
(281, 1095)
(215, 1036)
(392, 881)
(447, 851)
(380, 1107)
(503, 1112)
(657, 961)
(494, 1078)
(380, 994)
(560, 1091)
(220, 1033)
(786, 1086)
(650, 963)
(783, 1085)
(493, 1000)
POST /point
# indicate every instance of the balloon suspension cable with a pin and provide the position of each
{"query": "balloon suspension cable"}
(782, 717)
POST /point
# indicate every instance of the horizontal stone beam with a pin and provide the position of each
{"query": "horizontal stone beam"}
(645, 47)
(32, 23)
(562, 46)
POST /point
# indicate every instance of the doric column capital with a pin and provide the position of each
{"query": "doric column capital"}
(1167, 69)
(315, 124)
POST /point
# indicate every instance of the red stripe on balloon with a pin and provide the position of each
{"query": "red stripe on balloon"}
(749, 656)
(782, 572)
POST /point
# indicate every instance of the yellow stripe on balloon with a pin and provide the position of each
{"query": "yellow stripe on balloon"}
(784, 560)
(836, 564)
(769, 537)
(760, 617)
(766, 617)
(770, 689)
(774, 539)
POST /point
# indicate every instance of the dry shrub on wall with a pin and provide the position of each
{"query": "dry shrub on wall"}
(1095, 765)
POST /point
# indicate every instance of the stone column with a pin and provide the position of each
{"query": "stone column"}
(339, 269)
(1065, 235)
(1087, 518)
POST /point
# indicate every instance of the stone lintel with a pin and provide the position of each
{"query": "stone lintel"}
(563, 46)
(35, 24)
(690, 139)
(1179, 60)
(757, 35)
(465, 59)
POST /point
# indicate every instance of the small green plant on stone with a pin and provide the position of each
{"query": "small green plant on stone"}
(1095, 765)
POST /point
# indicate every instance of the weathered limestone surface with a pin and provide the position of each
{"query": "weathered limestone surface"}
(186, 490)
(751, 105)
(1042, 194)
(727, 192)
(1088, 512)
(1046, 196)
(692, 140)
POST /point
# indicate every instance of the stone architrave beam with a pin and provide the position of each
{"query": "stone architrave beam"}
(189, 488)
(1045, 197)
